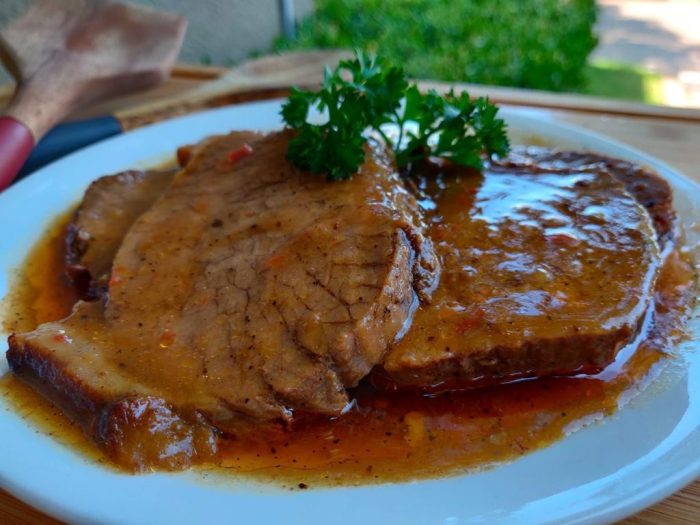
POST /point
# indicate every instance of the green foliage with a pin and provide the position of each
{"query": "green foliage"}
(454, 127)
(540, 44)
(623, 81)
(336, 148)
(364, 92)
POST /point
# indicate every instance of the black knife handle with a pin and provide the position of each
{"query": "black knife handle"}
(67, 138)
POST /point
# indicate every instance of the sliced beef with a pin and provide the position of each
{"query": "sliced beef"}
(109, 208)
(247, 291)
(650, 190)
(549, 263)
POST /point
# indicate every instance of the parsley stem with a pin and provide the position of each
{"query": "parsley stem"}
(386, 139)
(401, 121)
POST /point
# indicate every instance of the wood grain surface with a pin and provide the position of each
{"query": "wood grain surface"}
(670, 134)
(54, 48)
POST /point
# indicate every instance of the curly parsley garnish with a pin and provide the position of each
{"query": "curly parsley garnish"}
(365, 93)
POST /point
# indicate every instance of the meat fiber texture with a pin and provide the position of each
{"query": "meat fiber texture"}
(249, 291)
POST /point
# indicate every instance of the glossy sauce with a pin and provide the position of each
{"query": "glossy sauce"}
(40, 292)
(403, 435)
(386, 436)
(529, 259)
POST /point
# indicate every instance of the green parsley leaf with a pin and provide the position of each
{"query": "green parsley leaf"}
(365, 93)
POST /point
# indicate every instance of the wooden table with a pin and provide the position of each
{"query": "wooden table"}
(672, 135)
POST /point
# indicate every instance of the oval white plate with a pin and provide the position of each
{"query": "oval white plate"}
(602, 473)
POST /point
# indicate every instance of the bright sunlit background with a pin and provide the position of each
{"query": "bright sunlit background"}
(643, 50)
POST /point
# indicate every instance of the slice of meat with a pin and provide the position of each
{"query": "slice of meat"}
(249, 290)
(109, 208)
(650, 190)
(547, 270)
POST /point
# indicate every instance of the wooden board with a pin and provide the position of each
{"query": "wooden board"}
(670, 134)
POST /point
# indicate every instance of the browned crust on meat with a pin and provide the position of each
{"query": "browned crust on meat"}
(36, 366)
(137, 432)
(582, 354)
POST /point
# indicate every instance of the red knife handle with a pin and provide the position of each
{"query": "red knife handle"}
(16, 143)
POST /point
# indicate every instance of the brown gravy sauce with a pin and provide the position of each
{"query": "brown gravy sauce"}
(40, 292)
(385, 436)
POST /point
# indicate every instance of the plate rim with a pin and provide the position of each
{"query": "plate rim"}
(624, 507)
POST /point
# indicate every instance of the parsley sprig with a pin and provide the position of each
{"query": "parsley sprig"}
(365, 93)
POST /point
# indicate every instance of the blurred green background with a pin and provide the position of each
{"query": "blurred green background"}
(540, 44)
(537, 44)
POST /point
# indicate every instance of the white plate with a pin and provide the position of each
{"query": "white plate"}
(604, 472)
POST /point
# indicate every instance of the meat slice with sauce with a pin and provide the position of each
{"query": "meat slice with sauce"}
(650, 190)
(249, 290)
(549, 262)
(109, 208)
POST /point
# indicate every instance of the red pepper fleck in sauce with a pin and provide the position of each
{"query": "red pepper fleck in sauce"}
(563, 239)
(184, 154)
(467, 323)
(167, 338)
(61, 337)
(200, 205)
(116, 276)
(240, 153)
(276, 260)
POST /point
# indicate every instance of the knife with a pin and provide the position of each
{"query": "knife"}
(261, 78)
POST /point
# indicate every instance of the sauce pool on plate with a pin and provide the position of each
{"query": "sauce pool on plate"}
(384, 436)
